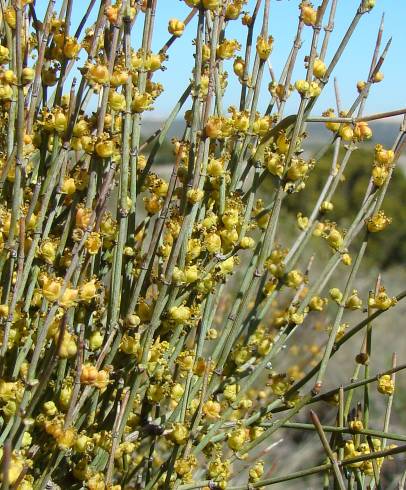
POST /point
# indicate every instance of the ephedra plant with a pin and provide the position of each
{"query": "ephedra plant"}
(122, 365)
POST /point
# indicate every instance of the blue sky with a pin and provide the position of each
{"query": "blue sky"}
(354, 65)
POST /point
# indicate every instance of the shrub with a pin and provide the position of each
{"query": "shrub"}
(130, 356)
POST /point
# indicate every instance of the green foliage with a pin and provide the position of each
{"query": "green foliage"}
(385, 249)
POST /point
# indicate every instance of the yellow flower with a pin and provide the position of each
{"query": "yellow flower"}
(298, 169)
(211, 410)
(88, 290)
(334, 238)
(48, 250)
(227, 266)
(264, 47)
(381, 301)
(4, 54)
(317, 303)
(275, 164)
(98, 74)
(213, 127)
(49, 408)
(379, 175)
(247, 242)
(282, 143)
(368, 4)
(117, 101)
(141, 102)
(66, 439)
(51, 288)
(230, 392)
(354, 302)
(219, 469)
(237, 438)
(378, 222)
(256, 471)
(382, 156)
(227, 48)
(68, 186)
(179, 434)
(386, 385)
(233, 10)
(346, 259)
(153, 204)
(195, 195)
(81, 128)
(15, 468)
(119, 77)
(191, 273)
(69, 298)
(10, 17)
(82, 218)
(212, 242)
(93, 243)
(130, 345)
(362, 131)
(193, 3)
(71, 48)
(4, 309)
(185, 361)
(88, 374)
(294, 279)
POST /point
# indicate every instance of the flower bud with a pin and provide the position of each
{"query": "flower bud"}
(319, 68)
(96, 340)
(176, 27)
(346, 259)
(354, 302)
(302, 86)
(378, 77)
(179, 314)
(368, 4)
(247, 242)
(346, 132)
(308, 13)
(336, 295)
(361, 86)
(27, 75)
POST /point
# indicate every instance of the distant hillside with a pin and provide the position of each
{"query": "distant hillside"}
(384, 132)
